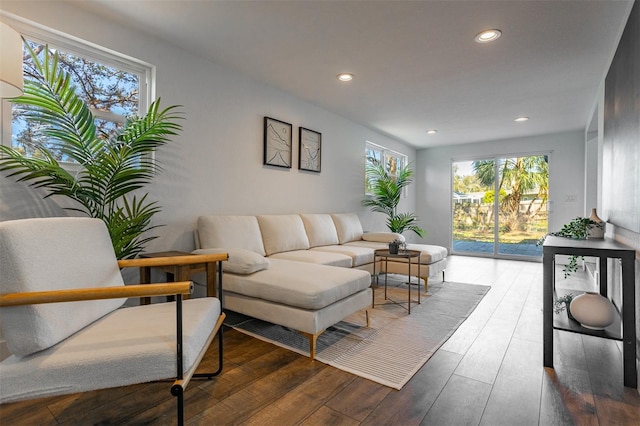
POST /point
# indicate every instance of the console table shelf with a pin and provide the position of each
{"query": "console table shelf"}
(624, 326)
(562, 322)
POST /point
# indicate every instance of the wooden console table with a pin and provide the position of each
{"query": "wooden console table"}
(624, 327)
(179, 268)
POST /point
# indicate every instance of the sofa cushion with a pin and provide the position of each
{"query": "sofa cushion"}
(300, 284)
(359, 255)
(240, 261)
(54, 254)
(283, 232)
(430, 254)
(238, 232)
(348, 227)
(382, 237)
(320, 229)
(319, 257)
(370, 244)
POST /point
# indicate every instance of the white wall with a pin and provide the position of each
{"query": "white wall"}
(215, 165)
(566, 171)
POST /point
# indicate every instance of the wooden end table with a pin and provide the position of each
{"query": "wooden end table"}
(181, 272)
(402, 254)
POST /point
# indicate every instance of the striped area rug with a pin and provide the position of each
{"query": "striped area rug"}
(396, 344)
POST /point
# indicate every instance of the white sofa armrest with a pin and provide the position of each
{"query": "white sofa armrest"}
(382, 237)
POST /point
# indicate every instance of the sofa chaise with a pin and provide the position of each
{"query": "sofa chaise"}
(303, 271)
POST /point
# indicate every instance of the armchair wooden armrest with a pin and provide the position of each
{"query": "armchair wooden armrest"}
(172, 260)
(73, 295)
(180, 266)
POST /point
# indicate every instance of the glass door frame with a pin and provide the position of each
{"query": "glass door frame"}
(496, 205)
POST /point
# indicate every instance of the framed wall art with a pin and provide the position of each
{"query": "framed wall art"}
(310, 148)
(277, 143)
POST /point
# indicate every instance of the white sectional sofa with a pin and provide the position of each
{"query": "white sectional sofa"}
(303, 271)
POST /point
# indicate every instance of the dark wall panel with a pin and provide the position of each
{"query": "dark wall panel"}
(621, 159)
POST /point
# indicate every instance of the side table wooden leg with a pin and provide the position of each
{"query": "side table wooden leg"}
(145, 278)
(211, 279)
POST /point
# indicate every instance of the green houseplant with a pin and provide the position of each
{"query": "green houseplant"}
(577, 229)
(113, 167)
(563, 302)
(386, 190)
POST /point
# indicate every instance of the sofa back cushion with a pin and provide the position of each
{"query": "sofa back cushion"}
(236, 232)
(348, 227)
(54, 254)
(320, 229)
(283, 233)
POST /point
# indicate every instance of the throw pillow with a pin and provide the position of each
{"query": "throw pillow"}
(240, 261)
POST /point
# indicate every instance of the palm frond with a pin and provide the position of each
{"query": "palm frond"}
(111, 167)
(386, 191)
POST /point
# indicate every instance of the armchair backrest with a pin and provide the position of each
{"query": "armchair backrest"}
(54, 254)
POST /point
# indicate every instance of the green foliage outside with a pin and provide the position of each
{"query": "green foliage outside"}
(103, 88)
(490, 196)
(114, 166)
(523, 189)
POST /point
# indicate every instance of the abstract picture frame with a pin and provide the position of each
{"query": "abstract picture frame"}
(278, 143)
(310, 150)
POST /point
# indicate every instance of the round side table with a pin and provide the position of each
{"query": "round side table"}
(412, 256)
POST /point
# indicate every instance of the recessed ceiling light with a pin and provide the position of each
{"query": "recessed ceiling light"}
(432, 132)
(487, 36)
(520, 119)
(345, 76)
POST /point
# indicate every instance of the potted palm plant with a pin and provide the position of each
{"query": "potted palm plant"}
(386, 191)
(113, 167)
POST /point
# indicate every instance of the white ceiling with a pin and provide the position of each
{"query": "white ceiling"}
(417, 66)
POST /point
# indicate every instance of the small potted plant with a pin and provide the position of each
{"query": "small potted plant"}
(578, 229)
(561, 303)
(394, 246)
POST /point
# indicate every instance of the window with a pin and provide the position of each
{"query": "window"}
(112, 85)
(393, 161)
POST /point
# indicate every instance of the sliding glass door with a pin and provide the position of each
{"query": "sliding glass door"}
(499, 205)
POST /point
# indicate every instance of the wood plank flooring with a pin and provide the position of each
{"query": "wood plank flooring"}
(488, 373)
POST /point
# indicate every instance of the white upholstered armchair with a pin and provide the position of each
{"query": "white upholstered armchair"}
(61, 297)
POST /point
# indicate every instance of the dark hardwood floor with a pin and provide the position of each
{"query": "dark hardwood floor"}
(488, 373)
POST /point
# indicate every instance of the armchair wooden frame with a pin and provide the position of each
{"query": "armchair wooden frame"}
(177, 289)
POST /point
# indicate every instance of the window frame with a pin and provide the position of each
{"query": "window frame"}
(34, 32)
(384, 153)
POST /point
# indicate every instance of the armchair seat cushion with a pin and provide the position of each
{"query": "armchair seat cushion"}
(138, 343)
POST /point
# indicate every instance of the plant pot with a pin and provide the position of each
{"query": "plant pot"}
(393, 248)
(592, 310)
